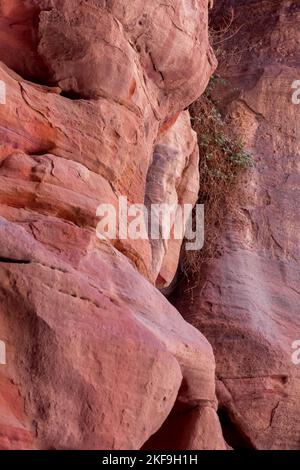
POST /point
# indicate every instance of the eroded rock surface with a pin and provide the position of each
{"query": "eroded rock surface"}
(126, 64)
(96, 357)
(248, 302)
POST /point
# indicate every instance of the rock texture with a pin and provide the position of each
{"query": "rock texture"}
(133, 88)
(72, 334)
(95, 94)
(248, 302)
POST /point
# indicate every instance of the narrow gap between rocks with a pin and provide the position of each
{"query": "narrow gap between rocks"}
(232, 433)
(14, 261)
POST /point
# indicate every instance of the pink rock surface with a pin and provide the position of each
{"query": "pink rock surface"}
(133, 90)
(193, 429)
(73, 334)
(19, 39)
(248, 302)
(96, 357)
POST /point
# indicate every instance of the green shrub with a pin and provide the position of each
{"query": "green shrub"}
(223, 160)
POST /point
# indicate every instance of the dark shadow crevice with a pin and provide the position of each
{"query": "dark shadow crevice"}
(232, 432)
(14, 261)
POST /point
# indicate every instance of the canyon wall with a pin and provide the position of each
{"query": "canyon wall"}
(95, 108)
(247, 302)
(96, 357)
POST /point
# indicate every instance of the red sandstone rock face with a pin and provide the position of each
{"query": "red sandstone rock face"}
(97, 51)
(96, 356)
(248, 301)
(19, 39)
(72, 335)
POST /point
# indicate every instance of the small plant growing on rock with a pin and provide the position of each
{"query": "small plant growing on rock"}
(223, 160)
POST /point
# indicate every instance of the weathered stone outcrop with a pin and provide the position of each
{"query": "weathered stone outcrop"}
(248, 302)
(135, 79)
(96, 356)
(72, 334)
